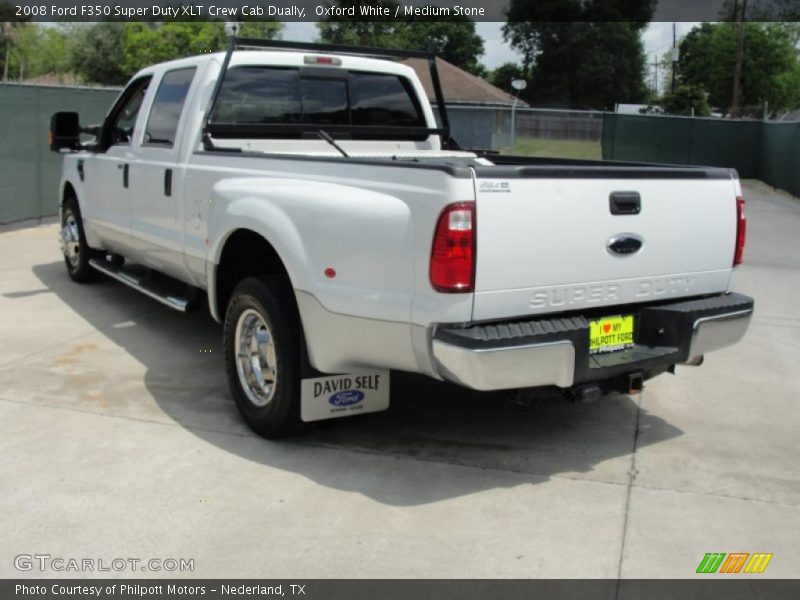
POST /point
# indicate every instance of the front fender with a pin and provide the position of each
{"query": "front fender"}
(71, 178)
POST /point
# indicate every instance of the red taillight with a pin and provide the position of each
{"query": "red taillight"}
(453, 254)
(741, 231)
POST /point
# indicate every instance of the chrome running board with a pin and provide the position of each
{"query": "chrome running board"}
(148, 288)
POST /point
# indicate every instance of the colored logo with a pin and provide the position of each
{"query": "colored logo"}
(346, 398)
(735, 562)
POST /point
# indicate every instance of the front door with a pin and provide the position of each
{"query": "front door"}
(108, 171)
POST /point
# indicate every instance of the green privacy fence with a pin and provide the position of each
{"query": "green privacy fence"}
(780, 156)
(756, 149)
(29, 172)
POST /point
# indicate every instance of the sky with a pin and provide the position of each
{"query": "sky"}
(657, 39)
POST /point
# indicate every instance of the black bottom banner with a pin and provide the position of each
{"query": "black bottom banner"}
(398, 589)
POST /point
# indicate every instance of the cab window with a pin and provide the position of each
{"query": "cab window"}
(123, 117)
(162, 124)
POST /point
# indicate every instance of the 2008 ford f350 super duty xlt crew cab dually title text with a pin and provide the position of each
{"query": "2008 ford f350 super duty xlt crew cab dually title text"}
(339, 233)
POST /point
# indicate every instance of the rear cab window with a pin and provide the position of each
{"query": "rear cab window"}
(291, 96)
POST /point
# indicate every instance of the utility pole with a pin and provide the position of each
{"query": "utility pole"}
(655, 75)
(674, 58)
(737, 71)
(518, 85)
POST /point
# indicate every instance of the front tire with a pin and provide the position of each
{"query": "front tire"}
(262, 355)
(73, 244)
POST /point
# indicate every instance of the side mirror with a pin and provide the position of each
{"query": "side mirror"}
(65, 131)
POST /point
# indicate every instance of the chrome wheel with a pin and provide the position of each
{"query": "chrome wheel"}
(255, 358)
(70, 240)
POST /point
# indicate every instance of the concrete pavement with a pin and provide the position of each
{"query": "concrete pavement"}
(118, 439)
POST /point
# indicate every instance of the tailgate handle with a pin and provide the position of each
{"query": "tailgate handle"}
(625, 203)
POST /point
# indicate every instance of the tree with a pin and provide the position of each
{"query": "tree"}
(379, 32)
(687, 100)
(109, 53)
(584, 53)
(503, 75)
(761, 10)
(770, 67)
(10, 27)
(456, 40)
(40, 51)
(588, 65)
(97, 52)
(150, 43)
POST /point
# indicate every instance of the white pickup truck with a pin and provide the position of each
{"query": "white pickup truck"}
(310, 193)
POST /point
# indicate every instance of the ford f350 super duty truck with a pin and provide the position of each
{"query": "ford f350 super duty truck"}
(338, 233)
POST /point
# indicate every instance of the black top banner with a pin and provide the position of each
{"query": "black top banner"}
(406, 10)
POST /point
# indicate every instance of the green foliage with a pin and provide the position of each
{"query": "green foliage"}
(587, 65)
(145, 44)
(7, 12)
(109, 53)
(149, 43)
(39, 51)
(687, 100)
(761, 10)
(10, 28)
(380, 32)
(97, 53)
(585, 53)
(770, 68)
(503, 75)
(456, 41)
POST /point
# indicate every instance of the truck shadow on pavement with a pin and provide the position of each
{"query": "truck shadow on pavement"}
(437, 441)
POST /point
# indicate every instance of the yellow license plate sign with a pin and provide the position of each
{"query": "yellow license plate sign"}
(610, 333)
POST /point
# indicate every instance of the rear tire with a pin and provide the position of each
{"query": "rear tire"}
(262, 355)
(73, 244)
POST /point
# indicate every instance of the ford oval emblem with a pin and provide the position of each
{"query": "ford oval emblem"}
(624, 243)
(346, 398)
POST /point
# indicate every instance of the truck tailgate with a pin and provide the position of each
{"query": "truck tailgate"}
(543, 242)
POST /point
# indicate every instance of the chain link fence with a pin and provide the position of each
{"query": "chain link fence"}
(528, 131)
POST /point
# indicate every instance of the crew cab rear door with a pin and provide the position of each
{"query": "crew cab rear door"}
(155, 178)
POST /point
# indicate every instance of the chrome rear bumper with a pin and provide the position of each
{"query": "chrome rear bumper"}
(554, 352)
(718, 331)
(533, 365)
